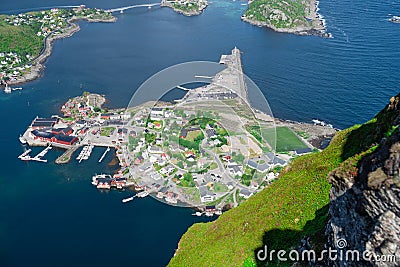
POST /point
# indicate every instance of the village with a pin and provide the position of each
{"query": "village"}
(16, 58)
(207, 150)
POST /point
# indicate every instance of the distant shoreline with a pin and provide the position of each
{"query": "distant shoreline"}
(38, 63)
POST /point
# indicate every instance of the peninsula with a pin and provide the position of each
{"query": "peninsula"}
(26, 39)
(298, 16)
(209, 150)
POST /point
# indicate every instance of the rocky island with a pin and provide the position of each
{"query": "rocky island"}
(26, 39)
(298, 16)
(186, 7)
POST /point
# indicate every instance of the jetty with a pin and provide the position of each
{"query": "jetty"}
(85, 153)
(26, 157)
(104, 154)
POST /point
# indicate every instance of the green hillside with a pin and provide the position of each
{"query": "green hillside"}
(294, 206)
(280, 14)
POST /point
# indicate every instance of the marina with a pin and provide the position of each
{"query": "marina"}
(85, 153)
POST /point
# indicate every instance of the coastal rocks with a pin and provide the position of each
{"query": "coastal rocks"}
(365, 204)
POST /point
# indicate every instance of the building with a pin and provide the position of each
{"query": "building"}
(205, 194)
(302, 151)
(41, 123)
(50, 137)
(245, 193)
(65, 131)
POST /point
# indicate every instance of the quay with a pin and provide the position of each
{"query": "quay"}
(104, 154)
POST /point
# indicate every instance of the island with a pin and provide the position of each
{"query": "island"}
(26, 39)
(209, 150)
(298, 16)
(186, 7)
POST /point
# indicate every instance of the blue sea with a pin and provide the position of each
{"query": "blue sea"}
(51, 216)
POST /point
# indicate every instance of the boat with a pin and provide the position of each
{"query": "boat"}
(17, 88)
(128, 199)
(197, 213)
(143, 194)
(22, 140)
(7, 90)
(395, 19)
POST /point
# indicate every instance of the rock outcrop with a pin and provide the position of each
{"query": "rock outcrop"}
(364, 213)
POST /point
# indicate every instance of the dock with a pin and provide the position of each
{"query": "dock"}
(104, 154)
(85, 153)
(26, 157)
(25, 154)
(39, 156)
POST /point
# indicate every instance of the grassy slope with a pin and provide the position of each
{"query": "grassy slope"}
(20, 39)
(285, 211)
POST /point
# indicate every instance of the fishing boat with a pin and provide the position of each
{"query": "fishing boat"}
(197, 213)
(22, 140)
(128, 199)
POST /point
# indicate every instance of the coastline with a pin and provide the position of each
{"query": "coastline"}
(38, 63)
(318, 27)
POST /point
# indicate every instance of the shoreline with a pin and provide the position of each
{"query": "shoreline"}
(314, 30)
(38, 63)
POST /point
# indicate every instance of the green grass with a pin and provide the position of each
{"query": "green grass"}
(20, 39)
(295, 12)
(106, 131)
(286, 140)
(294, 206)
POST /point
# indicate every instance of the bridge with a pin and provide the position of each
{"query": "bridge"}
(122, 9)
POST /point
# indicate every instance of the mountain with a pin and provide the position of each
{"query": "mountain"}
(348, 192)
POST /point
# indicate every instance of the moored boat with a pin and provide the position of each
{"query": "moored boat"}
(143, 194)
(22, 140)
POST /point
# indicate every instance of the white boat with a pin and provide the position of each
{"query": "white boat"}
(7, 90)
(197, 213)
(143, 194)
(22, 140)
(128, 199)
(395, 19)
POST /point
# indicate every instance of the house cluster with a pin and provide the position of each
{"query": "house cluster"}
(106, 181)
(11, 65)
(267, 163)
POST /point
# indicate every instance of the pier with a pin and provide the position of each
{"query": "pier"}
(26, 157)
(104, 154)
(85, 153)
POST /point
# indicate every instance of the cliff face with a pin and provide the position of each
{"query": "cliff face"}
(364, 213)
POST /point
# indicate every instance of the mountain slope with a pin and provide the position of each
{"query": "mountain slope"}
(293, 207)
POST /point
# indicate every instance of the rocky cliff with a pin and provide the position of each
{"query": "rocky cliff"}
(364, 212)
